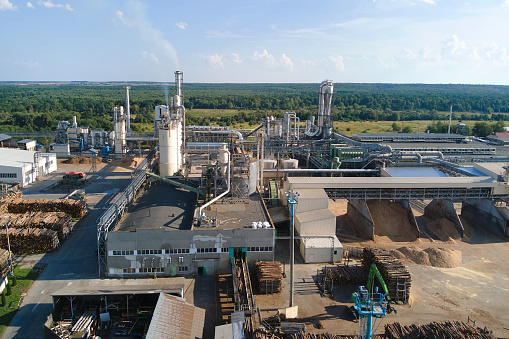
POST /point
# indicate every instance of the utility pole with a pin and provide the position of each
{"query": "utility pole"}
(293, 199)
(9, 247)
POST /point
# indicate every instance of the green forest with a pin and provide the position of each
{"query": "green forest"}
(40, 106)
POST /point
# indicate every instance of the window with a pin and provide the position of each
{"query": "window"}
(150, 252)
(8, 175)
(169, 260)
(224, 250)
(206, 250)
(131, 252)
(129, 270)
(183, 268)
(178, 251)
(335, 252)
(181, 259)
(259, 249)
(152, 270)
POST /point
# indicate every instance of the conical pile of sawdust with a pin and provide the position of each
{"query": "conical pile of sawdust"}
(437, 257)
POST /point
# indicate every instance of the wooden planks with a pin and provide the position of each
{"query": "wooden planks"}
(395, 274)
(30, 240)
(57, 221)
(75, 208)
(269, 276)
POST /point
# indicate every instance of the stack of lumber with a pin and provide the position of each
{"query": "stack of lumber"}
(4, 262)
(269, 275)
(76, 208)
(395, 274)
(455, 329)
(30, 240)
(350, 275)
(57, 221)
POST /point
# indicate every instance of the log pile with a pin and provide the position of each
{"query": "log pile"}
(350, 275)
(30, 240)
(395, 274)
(4, 262)
(75, 208)
(57, 221)
(269, 275)
(455, 329)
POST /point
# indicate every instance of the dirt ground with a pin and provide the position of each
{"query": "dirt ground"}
(477, 289)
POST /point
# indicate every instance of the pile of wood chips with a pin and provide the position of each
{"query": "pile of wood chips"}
(30, 240)
(269, 276)
(392, 270)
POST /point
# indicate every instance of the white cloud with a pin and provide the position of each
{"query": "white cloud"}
(27, 64)
(337, 61)
(181, 25)
(236, 58)
(150, 56)
(505, 3)
(287, 62)
(267, 58)
(215, 61)
(29, 5)
(49, 4)
(6, 5)
(137, 19)
(453, 48)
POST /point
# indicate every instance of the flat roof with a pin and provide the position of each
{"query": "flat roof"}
(239, 214)
(412, 135)
(420, 172)
(15, 157)
(426, 145)
(160, 206)
(99, 287)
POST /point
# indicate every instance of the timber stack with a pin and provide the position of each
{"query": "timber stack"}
(4, 260)
(30, 240)
(75, 208)
(269, 275)
(454, 329)
(57, 221)
(350, 275)
(395, 274)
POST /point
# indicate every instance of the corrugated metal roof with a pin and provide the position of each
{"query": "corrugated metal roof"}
(297, 183)
(494, 167)
(321, 242)
(15, 157)
(314, 215)
(313, 193)
(4, 137)
(174, 318)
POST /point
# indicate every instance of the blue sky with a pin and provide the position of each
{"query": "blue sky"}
(391, 41)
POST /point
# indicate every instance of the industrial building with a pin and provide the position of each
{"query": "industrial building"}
(25, 167)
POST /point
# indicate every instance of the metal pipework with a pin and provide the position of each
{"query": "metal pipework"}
(293, 199)
(324, 109)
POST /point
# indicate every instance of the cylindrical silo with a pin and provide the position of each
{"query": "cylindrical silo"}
(222, 158)
(168, 151)
(290, 163)
(269, 163)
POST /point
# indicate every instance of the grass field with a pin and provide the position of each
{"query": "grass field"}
(25, 279)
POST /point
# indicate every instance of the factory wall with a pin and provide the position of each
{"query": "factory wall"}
(442, 208)
(358, 212)
(320, 250)
(316, 222)
(485, 214)
(170, 253)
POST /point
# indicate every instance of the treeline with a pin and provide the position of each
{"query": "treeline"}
(26, 106)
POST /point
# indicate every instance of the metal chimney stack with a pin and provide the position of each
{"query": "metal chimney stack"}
(127, 88)
(178, 82)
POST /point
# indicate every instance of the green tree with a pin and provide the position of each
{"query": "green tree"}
(482, 129)
(396, 127)
(407, 129)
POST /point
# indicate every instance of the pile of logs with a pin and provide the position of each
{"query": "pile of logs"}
(455, 329)
(395, 274)
(269, 275)
(4, 262)
(56, 221)
(76, 208)
(350, 275)
(30, 240)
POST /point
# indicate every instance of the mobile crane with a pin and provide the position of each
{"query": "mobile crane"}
(370, 306)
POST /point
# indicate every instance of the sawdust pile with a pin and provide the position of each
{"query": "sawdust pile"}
(444, 229)
(132, 162)
(391, 221)
(436, 257)
(81, 160)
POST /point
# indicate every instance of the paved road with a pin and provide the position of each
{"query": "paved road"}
(77, 259)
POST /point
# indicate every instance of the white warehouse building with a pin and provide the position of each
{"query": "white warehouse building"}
(20, 166)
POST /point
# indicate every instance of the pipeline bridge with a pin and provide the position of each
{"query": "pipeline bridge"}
(408, 188)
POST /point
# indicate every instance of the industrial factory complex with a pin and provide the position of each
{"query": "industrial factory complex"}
(214, 201)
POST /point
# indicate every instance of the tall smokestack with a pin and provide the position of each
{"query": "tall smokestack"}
(127, 88)
(178, 82)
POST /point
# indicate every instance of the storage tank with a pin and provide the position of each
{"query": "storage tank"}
(269, 163)
(290, 163)
(168, 151)
(222, 158)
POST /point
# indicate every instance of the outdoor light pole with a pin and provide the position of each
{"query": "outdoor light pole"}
(293, 199)
(9, 246)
